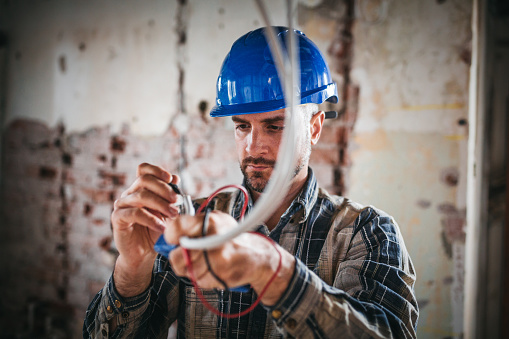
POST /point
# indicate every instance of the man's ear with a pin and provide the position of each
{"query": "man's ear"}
(316, 125)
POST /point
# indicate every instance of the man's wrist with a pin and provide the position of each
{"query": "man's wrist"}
(282, 279)
(131, 280)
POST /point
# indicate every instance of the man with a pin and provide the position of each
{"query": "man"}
(340, 269)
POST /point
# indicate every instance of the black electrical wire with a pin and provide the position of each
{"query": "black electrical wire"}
(204, 228)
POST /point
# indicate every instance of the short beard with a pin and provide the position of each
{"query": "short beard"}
(304, 159)
(248, 179)
(261, 184)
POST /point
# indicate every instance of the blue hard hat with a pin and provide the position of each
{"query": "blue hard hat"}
(248, 81)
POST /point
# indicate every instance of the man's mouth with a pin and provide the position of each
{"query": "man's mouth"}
(258, 167)
(257, 164)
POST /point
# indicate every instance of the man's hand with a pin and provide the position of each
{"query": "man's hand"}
(247, 259)
(138, 219)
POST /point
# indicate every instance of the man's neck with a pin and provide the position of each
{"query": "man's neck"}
(296, 186)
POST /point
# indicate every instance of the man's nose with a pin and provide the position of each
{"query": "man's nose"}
(255, 143)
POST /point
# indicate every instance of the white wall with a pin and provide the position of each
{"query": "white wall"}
(410, 145)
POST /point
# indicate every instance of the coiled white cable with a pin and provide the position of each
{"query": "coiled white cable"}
(288, 69)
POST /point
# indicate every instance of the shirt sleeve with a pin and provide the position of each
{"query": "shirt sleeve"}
(371, 296)
(109, 315)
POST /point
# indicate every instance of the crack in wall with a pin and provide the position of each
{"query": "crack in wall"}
(182, 19)
(63, 246)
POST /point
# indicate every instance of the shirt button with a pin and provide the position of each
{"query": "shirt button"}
(109, 309)
(276, 314)
(118, 304)
(125, 315)
(291, 323)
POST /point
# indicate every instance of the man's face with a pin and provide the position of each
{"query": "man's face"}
(257, 137)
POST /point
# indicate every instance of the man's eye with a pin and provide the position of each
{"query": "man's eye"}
(276, 128)
(242, 126)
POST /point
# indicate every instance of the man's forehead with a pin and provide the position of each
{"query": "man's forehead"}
(279, 114)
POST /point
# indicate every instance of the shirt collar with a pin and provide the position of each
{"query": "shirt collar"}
(307, 196)
(305, 199)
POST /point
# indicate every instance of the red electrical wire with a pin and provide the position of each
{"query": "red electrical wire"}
(189, 264)
(211, 308)
(213, 195)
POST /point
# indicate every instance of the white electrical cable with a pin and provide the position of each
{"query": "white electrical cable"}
(288, 69)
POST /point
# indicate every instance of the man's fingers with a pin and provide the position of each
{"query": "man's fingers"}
(178, 260)
(178, 263)
(175, 179)
(125, 217)
(154, 184)
(201, 272)
(147, 199)
(185, 225)
(156, 171)
(208, 281)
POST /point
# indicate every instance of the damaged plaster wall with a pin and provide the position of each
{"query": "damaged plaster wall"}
(93, 63)
(409, 148)
(94, 89)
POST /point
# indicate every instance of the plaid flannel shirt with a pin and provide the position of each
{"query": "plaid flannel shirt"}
(353, 279)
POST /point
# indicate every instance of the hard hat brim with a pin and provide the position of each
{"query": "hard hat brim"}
(319, 95)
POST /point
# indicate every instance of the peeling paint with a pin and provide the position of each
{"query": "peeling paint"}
(448, 280)
(422, 203)
(62, 63)
(450, 176)
(453, 222)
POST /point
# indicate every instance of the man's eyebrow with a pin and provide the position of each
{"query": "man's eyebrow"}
(273, 120)
(239, 120)
(265, 121)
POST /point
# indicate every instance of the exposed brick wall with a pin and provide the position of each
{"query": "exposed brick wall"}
(58, 188)
(330, 158)
(57, 194)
